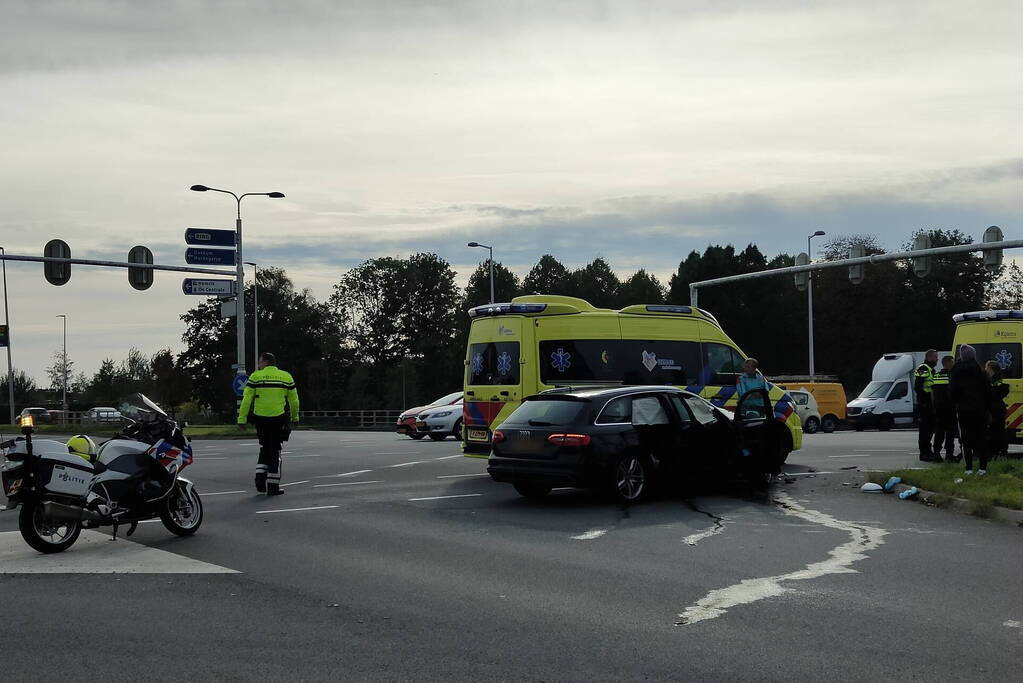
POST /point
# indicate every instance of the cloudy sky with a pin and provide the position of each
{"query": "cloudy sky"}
(636, 131)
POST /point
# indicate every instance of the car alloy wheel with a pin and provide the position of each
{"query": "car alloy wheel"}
(631, 479)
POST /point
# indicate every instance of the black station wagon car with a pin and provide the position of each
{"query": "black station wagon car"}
(626, 440)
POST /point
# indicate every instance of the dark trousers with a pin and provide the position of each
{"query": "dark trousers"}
(272, 432)
(998, 436)
(973, 430)
(926, 412)
(945, 432)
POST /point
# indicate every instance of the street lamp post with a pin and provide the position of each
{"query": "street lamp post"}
(240, 277)
(63, 366)
(7, 322)
(491, 250)
(809, 299)
(255, 313)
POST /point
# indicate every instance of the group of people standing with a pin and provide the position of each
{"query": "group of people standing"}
(963, 399)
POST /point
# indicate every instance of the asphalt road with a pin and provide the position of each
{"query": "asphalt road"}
(390, 559)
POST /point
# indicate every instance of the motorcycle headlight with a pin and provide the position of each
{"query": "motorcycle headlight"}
(443, 414)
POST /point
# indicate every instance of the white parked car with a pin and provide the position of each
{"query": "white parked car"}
(440, 422)
(806, 408)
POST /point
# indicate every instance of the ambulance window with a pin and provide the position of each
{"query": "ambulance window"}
(495, 363)
(660, 362)
(901, 390)
(1006, 355)
(579, 360)
(723, 364)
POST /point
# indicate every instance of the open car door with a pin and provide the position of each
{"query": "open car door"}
(760, 437)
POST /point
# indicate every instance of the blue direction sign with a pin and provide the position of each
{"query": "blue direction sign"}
(191, 285)
(209, 237)
(239, 383)
(197, 256)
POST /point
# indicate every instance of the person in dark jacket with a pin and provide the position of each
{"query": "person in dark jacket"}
(945, 430)
(923, 385)
(970, 391)
(997, 443)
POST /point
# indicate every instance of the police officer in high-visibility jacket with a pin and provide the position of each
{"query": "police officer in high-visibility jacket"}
(923, 386)
(945, 427)
(272, 399)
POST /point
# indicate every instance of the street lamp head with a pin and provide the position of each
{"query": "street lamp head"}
(473, 244)
(199, 188)
(275, 195)
(819, 233)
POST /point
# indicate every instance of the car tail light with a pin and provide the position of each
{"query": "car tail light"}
(569, 439)
(499, 437)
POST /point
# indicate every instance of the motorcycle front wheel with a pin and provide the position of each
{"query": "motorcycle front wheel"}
(181, 513)
(45, 534)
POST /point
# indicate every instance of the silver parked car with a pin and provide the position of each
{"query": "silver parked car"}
(102, 415)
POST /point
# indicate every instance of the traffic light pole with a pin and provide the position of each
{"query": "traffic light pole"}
(694, 287)
(115, 264)
(7, 322)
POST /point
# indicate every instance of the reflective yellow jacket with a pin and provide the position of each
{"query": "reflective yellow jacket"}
(266, 393)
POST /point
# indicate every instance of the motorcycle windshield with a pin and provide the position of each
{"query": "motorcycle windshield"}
(140, 407)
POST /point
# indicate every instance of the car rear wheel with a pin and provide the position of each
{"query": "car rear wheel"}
(416, 436)
(829, 423)
(438, 437)
(532, 490)
(812, 425)
(631, 479)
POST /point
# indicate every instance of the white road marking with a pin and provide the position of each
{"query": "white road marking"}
(693, 539)
(406, 464)
(318, 507)
(464, 495)
(311, 455)
(862, 539)
(95, 553)
(254, 443)
(879, 450)
(295, 483)
(448, 457)
(590, 535)
(401, 453)
(221, 493)
(862, 455)
(348, 483)
(459, 476)
(807, 474)
(206, 457)
(1012, 623)
(346, 474)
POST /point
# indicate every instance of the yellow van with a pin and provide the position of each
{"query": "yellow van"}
(997, 336)
(830, 397)
(542, 342)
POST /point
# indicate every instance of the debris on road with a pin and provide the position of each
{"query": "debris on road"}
(909, 493)
(871, 487)
(892, 483)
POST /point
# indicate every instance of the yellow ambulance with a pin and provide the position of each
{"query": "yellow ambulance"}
(542, 342)
(997, 336)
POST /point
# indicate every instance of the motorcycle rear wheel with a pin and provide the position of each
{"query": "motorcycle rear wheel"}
(182, 511)
(43, 533)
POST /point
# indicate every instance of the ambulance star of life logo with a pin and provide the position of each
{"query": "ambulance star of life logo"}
(561, 360)
(504, 363)
(1003, 358)
(477, 364)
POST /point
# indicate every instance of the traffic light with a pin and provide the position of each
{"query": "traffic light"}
(857, 273)
(801, 278)
(140, 278)
(57, 273)
(993, 257)
(922, 264)
(5, 337)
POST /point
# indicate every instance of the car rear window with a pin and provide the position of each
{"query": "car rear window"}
(548, 413)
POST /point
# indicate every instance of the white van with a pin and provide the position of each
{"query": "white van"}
(889, 399)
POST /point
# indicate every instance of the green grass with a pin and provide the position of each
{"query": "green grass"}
(1001, 486)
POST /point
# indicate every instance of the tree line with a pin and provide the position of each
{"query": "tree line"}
(393, 331)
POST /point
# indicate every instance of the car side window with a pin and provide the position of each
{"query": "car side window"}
(648, 410)
(702, 410)
(800, 399)
(680, 408)
(901, 390)
(616, 411)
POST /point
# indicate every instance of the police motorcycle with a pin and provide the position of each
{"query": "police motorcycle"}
(135, 476)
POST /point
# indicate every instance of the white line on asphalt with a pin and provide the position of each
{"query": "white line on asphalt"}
(448, 457)
(458, 476)
(862, 539)
(464, 495)
(312, 442)
(206, 457)
(590, 535)
(406, 464)
(254, 443)
(693, 539)
(318, 507)
(295, 483)
(858, 455)
(348, 483)
(346, 474)
(222, 493)
(401, 453)
(317, 455)
(806, 474)
(879, 450)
